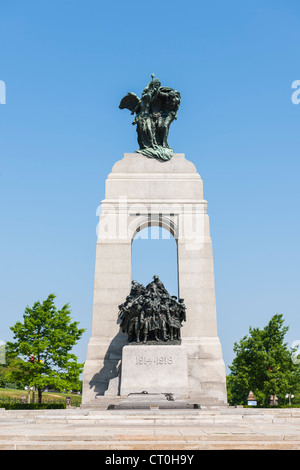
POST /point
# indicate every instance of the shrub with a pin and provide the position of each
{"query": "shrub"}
(33, 406)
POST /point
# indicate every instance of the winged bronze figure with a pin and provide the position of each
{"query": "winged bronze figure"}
(154, 112)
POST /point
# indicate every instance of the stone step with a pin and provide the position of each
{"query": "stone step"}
(233, 443)
(142, 430)
(157, 437)
(158, 417)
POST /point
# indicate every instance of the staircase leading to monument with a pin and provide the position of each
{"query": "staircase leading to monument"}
(229, 428)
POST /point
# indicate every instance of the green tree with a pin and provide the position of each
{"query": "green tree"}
(263, 364)
(6, 370)
(42, 345)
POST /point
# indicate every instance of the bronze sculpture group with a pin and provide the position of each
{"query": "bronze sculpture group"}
(155, 111)
(151, 314)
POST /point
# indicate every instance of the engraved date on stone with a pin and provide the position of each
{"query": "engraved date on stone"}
(159, 360)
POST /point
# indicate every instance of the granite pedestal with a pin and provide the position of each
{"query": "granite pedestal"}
(154, 369)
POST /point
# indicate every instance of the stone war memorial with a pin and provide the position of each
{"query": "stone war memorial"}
(149, 345)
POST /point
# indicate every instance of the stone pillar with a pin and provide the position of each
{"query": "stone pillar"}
(111, 286)
(141, 192)
(200, 338)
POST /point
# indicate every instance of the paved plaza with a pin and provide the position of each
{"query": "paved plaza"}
(195, 429)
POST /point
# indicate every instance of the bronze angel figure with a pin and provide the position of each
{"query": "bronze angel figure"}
(154, 112)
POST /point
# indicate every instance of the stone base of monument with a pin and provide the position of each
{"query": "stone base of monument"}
(155, 369)
(152, 401)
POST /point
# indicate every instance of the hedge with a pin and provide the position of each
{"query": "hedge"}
(33, 406)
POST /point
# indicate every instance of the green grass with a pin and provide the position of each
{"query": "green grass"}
(12, 395)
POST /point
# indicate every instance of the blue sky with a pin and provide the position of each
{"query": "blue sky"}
(67, 64)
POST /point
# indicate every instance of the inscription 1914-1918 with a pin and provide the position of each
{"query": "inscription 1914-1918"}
(161, 360)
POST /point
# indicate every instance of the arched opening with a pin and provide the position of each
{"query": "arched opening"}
(154, 251)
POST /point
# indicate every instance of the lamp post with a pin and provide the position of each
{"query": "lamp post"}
(289, 396)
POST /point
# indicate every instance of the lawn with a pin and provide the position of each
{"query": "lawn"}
(13, 395)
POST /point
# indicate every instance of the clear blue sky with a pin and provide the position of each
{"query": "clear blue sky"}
(67, 64)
